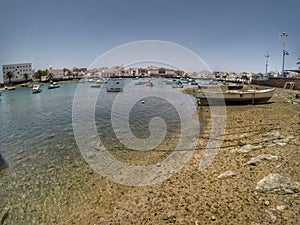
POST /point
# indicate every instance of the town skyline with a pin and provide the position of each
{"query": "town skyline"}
(228, 36)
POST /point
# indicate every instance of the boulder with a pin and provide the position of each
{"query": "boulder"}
(273, 135)
(277, 184)
(259, 158)
(248, 148)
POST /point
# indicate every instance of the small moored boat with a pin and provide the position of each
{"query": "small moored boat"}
(36, 89)
(149, 83)
(53, 86)
(114, 85)
(95, 85)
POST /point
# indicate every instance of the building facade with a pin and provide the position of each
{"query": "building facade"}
(57, 73)
(18, 71)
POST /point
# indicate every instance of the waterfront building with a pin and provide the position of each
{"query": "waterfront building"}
(137, 71)
(79, 70)
(56, 73)
(18, 70)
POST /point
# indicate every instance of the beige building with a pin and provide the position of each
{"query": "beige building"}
(56, 73)
(137, 71)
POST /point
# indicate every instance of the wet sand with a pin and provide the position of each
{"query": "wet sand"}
(78, 195)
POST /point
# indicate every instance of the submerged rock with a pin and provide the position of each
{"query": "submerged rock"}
(226, 174)
(259, 158)
(277, 184)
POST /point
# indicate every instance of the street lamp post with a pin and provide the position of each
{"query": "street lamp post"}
(284, 52)
(267, 57)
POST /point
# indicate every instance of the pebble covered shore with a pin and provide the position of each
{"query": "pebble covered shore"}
(253, 180)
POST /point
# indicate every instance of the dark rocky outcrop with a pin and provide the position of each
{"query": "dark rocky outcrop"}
(3, 163)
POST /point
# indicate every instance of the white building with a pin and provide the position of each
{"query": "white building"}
(18, 71)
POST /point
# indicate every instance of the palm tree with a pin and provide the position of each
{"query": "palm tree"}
(69, 73)
(50, 76)
(38, 75)
(26, 76)
(9, 76)
(65, 70)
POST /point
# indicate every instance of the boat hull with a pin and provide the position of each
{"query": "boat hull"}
(53, 87)
(235, 87)
(235, 97)
(114, 85)
(95, 85)
(111, 89)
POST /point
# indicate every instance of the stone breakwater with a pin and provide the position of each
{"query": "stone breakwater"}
(278, 82)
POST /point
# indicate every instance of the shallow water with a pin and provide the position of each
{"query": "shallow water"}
(38, 143)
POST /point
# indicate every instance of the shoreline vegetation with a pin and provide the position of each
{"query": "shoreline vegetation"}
(227, 192)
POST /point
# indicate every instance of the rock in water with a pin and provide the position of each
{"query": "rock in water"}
(259, 158)
(277, 184)
(3, 163)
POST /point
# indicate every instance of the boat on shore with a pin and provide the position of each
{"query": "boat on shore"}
(36, 89)
(235, 97)
(9, 88)
(235, 87)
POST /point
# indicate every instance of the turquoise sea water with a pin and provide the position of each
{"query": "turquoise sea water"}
(36, 138)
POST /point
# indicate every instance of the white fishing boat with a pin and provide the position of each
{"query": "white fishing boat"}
(235, 96)
(36, 89)
(101, 81)
(53, 86)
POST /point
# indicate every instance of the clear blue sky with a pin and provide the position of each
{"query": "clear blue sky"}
(230, 35)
